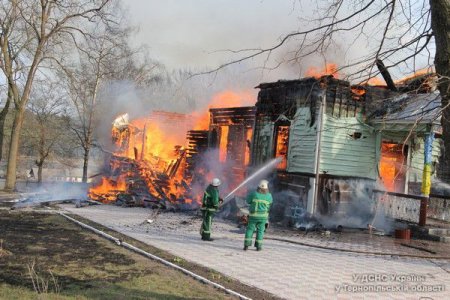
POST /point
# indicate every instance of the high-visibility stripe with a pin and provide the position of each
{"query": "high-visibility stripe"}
(248, 239)
(260, 201)
(208, 209)
(205, 198)
(259, 214)
(260, 211)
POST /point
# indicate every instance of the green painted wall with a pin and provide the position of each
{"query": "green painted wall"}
(340, 153)
(343, 154)
(302, 142)
(262, 146)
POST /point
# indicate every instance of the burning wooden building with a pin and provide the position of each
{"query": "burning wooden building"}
(156, 162)
(230, 131)
(329, 133)
(223, 149)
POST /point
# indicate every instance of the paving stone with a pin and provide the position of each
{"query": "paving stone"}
(288, 270)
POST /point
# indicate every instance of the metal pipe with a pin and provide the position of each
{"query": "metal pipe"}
(319, 128)
(154, 257)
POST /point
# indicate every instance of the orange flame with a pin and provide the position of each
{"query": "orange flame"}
(329, 69)
(282, 146)
(391, 166)
(152, 149)
(223, 143)
(108, 188)
(358, 91)
(201, 120)
(223, 100)
(155, 145)
(418, 73)
(376, 81)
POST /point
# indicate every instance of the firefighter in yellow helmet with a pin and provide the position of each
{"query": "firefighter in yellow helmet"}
(260, 202)
(210, 204)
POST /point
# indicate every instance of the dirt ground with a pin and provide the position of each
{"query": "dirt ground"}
(70, 263)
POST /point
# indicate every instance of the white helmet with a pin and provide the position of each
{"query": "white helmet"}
(263, 184)
(216, 182)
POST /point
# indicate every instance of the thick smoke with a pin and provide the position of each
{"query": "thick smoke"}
(357, 209)
(177, 92)
(53, 192)
(209, 167)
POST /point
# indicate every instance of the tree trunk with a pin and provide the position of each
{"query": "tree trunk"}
(3, 115)
(40, 173)
(14, 150)
(2, 130)
(86, 162)
(440, 23)
(40, 162)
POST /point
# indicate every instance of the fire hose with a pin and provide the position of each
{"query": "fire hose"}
(271, 164)
(261, 170)
(154, 257)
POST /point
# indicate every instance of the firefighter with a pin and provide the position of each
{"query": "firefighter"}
(260, 202)
(210, 205)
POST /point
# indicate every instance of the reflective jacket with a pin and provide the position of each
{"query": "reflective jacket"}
(211, 198)
(259, 204)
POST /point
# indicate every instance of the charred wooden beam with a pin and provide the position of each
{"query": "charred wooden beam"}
(176, 165)
(387, 77)
(197, 144)
(233, 115)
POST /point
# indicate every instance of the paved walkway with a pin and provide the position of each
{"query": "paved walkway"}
(284, 269)
(362, 242)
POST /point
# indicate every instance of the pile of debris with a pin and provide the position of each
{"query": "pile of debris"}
(142, 183)
(148, 166)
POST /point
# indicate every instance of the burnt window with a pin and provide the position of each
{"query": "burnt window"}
(356, 135)
(282, 143)
(393, 166)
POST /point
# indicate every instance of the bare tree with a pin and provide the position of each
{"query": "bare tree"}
(398, 32)
(440, 23)
(104, 58)
(30, 31)
(47, 127)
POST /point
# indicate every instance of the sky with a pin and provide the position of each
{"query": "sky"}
(192, 34)
(188, 33)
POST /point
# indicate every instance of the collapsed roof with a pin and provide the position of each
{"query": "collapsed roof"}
(378, 104)
(409, 108)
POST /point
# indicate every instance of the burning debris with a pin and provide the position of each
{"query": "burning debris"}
(148, 167)
(157, 164)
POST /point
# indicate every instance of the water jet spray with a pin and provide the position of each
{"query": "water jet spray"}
(271, 164)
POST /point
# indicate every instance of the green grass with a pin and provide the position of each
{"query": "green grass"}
(83, 265)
